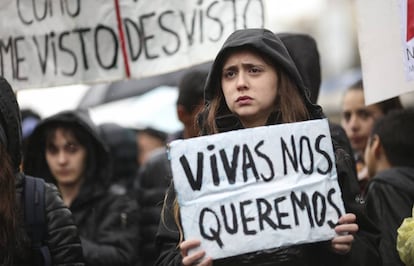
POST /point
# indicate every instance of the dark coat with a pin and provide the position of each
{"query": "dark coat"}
(62, 235)
(123, 150)
(364, 250)
(63, 238)
(390, 199)
(151, 185)
(108, 223)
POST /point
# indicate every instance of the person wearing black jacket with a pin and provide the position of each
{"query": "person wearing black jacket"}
(122, 145)
(66, 150)
(15, 245)
(255, 53)
(155, 175)
(389, 157)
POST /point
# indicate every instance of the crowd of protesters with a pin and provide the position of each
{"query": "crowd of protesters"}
(107, 202)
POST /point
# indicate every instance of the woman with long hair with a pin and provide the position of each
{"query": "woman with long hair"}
(254, 82)
(16, 248)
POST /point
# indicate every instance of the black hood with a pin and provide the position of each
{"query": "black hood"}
(97, 172)
(10, 123)
(402, 178)
(122, 145)
(270, 46)
(304, 52)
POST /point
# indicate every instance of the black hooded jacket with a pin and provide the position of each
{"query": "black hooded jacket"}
(390, 199)
(108, 224)
(315, 254)
(62, 235)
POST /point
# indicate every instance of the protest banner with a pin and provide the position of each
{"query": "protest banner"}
(49, 43)
(386, 44)
(168, 35)
(258, 188)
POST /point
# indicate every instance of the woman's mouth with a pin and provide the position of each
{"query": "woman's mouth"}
(244, 100)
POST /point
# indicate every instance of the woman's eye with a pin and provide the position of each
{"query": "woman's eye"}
(229, 74)
(346, 116)
(72, 148)
(364, 114)
(51, 149)
(254, 70)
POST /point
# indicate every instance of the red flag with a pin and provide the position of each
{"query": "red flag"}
(410, 19)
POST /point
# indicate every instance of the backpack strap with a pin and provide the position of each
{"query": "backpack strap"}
(35, 218)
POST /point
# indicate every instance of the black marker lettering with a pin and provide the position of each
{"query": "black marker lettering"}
(215, 232)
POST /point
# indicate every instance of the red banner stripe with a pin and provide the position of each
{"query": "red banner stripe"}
(122, 38)
(410, 19)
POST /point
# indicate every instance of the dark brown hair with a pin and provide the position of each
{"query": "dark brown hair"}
(8, 209)
(385, 106)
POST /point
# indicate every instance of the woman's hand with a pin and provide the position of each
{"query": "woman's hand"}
(196, 257)
(345, 230)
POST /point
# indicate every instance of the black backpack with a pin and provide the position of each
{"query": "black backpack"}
(35, 219)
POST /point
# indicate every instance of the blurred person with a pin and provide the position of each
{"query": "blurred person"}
(122, 147)
(148, 140)
(67, 150)
(189, 103)
(254, 62)
(357, 119)
(389, 156)
(155, 175)
(16, 247)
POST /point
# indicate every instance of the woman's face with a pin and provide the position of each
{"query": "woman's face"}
(358, 119)
(66, 158)
(249, 86)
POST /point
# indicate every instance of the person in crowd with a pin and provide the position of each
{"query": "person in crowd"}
(15, 245)
(255, 63)
(122, 147)
(389, 157)
(155, 176)
(189, 103)
(66, 150)
(148, 140)
(357, 119)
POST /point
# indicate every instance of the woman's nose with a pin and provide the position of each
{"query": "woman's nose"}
(354, 122)
(62, 158)
(241, 81)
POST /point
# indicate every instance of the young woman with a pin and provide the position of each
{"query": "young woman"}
(358, 119)
(254, 82)
(15, 244)
(66, 150)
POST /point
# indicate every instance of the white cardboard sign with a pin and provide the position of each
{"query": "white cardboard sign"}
(386, 44)
(258, 188)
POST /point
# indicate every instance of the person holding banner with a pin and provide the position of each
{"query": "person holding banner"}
(62, 238)
(254, 82)
(66, 150)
